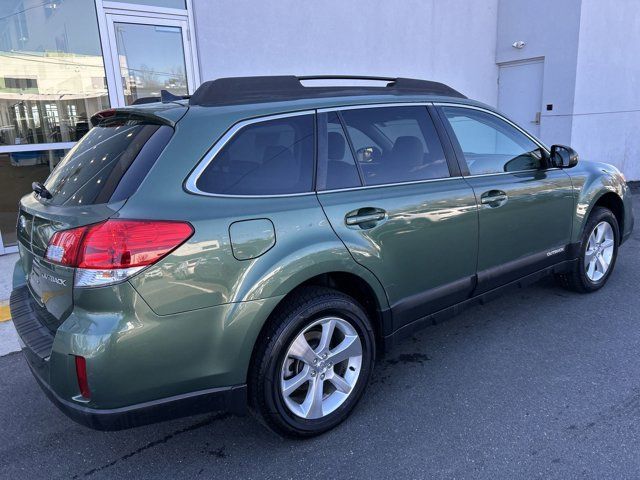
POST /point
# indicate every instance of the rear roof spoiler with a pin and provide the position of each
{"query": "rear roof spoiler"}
(129, 113)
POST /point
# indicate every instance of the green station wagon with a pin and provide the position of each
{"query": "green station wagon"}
(257, 245)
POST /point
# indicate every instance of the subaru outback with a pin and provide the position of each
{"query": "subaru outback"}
(256, 245)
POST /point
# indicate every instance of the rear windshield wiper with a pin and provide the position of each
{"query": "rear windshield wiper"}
(41, 190)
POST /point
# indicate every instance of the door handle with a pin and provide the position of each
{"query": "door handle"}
(367, 217)
(494, 198)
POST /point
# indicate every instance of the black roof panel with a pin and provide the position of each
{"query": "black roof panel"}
(242, 90)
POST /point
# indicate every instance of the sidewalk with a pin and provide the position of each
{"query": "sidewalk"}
(8, 335)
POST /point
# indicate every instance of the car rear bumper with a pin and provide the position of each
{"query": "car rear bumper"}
(227, 399)
(37, 343)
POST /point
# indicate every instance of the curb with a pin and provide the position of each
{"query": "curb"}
(8, 335)
(5, 313)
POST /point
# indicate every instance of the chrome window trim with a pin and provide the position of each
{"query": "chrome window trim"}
(374, 105)
(192, 179)
(191, 183)
(412, 182)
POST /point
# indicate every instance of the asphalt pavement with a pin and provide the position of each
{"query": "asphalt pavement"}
(542, 383)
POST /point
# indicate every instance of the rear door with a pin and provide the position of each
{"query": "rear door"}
(89, 185)
(525, 208)
(386, 186)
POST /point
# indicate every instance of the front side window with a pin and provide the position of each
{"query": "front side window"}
(395, 144)
(491, 145)
(272, 157)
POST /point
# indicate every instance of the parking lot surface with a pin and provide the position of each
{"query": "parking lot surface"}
(542, 383)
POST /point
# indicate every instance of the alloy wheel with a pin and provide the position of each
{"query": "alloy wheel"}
(599, 252)
(321, 368)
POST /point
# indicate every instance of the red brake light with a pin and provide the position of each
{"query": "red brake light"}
(117, 244)
(81, 373)
(130, 243)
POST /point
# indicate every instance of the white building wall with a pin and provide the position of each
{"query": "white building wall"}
(606, 122)
(550, 30)
(453, 42)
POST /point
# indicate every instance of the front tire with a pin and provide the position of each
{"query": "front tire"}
(313, 364)
(598, 253)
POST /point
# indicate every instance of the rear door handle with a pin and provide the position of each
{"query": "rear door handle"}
(367, 217)
(494, 198)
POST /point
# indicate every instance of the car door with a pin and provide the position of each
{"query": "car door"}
(524, 208)
(385, 184)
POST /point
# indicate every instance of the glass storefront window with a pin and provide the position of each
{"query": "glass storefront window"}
(52, 76)
(52, 79)
(17, 171)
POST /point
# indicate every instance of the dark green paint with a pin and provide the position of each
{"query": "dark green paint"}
(191, 321)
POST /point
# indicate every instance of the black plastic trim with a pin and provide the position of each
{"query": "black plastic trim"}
(416, 306)
(507, 272)
(30, 321)
(453, 142)
(438, 317)
(445, 141)
(229, 399)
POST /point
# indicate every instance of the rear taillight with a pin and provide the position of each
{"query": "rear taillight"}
(113, 250)
(83, 381)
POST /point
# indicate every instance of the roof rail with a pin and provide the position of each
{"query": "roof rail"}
(239, 90)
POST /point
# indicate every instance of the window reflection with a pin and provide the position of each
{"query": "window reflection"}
(52, 76)
(17, 171)
(151, 58)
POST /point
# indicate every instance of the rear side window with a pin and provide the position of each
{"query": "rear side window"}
(108, 163)
(395, 144)
(273, 157)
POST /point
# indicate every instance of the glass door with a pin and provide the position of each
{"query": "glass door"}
(148, 55)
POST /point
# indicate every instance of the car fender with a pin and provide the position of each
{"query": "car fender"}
(591, 181)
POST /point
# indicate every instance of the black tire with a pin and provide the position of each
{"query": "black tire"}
(306, 306)
(577, 279)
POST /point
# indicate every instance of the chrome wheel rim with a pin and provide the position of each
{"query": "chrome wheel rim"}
(599, 252)
(321, 368)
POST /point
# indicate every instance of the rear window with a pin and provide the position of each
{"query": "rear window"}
(273, 157)
(108, 163)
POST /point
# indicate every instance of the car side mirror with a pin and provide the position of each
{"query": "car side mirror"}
(563, 156)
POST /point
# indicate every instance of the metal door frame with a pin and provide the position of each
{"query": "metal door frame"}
(110, 13)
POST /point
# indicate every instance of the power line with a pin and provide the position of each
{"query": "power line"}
(28, 8)
(613, 112)
(71, 64)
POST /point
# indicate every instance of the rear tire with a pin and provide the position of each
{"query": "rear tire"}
(597, 255)
(295, 388)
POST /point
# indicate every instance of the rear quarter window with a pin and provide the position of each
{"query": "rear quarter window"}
(271, 157)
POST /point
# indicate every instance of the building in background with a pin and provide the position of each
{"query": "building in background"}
(567, 71)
